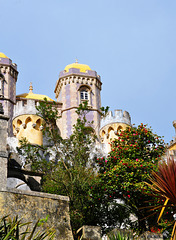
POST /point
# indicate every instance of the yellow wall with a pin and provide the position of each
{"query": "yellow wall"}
(172, 147)
(107, 133)
(29, 127)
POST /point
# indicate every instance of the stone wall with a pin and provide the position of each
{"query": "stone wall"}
(33, 205)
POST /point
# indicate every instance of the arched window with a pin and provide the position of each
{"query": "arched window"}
(84, 94)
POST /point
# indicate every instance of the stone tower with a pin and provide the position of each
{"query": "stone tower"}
(8, 78)
(76, 84)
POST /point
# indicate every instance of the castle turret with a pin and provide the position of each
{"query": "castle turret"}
(26, 121)
(110, 125)
(76, 84)
(8, 78)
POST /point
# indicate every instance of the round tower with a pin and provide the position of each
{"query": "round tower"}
(26, 123)
(110, 125)
(76, 84)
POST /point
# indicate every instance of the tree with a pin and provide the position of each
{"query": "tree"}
(134, 154)
(71, 168)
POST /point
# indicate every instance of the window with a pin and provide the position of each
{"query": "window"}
(84, 95)
(1, 84)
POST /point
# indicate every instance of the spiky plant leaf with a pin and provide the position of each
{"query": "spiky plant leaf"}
(11, 229)
(163, 184)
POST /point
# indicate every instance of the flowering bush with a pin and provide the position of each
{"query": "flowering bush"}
(134, 154)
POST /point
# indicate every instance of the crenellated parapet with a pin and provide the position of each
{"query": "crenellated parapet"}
(119, 117)
(76, 71)
(7, 66)
(27, 106)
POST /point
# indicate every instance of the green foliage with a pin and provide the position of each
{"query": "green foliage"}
(71, 170)
(50, 114)
(134, 154)
(104, 111)
(118, 236)
(17, 230)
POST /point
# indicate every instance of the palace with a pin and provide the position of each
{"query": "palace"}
(76, 83)
(19, 186)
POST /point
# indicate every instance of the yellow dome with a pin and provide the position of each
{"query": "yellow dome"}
(31, 95)
(82, 67)
(2, 55)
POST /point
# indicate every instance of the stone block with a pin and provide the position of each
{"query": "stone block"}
(90, 232)
(151, 236)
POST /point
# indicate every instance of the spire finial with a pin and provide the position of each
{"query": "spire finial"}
(76, 60)
(30, 87)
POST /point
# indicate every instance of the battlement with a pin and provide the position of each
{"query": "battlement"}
(119, 117)
(25, 107)
(8, 62)
(76, 71)
(75, 76)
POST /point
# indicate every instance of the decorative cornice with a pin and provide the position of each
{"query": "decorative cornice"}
(119, 117)
(11, 68)
(74, 78)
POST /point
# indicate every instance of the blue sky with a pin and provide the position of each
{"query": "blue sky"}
(130, 43)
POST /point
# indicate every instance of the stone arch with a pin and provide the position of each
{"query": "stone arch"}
(119, 128)
(19, 122)
(38, 123)
(103, 135)
(28, 120)
(84, 86)
(110, 129)
(110, 132)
